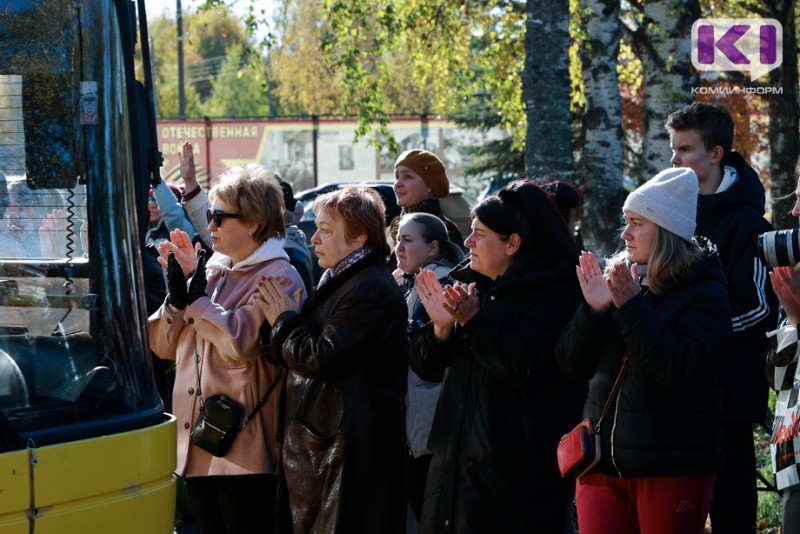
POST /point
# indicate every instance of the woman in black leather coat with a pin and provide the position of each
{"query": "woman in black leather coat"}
(344, 447)
(504, 403)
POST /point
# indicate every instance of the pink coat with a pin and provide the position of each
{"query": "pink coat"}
(223, 329)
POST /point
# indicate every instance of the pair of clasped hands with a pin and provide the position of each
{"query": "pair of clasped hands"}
(446, 305)
(622, 284)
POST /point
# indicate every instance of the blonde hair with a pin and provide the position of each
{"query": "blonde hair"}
(670, 257)
(256, 196)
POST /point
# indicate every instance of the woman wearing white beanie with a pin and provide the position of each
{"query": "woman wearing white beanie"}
(662, 307)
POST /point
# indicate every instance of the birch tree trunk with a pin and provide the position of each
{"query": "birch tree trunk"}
(546, 90)
(784, 114)
(602, 154)
(663, 42)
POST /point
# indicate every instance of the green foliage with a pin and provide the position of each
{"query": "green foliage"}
(579, 39)
(237, 90)
(770, 503)
(307, 84)
(433, 43)
(208, 36)
(212, 34)
(497, 157)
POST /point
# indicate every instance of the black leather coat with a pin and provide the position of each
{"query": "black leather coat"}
(504, 404)
(344, 448)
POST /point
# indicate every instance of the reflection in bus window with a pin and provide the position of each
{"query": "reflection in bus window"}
(73, 348)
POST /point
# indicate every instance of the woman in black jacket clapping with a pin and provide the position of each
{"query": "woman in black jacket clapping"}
(504, 403)
(663, 303)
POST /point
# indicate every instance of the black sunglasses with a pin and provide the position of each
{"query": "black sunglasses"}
(218, 215)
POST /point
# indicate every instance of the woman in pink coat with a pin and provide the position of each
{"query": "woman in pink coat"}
(214, 342)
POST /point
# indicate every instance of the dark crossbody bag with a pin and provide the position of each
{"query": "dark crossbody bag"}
(220, 418)
(579, 450)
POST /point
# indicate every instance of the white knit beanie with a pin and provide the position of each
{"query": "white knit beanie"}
(669, 199)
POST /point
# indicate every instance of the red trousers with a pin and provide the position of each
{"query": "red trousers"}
(647, 505)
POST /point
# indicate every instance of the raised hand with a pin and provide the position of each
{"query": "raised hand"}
(623, 284)
(187, 167)
(786, 284)
(185, 252)
(431, 294)
(197, 285)
(176, 284)
(461, 303)
(593, 285)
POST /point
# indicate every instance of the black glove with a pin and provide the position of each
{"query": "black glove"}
(197, 285)
(176, 283)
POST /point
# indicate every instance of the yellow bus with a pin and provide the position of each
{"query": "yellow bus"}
(85, 445)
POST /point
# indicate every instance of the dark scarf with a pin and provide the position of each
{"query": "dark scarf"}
(347, 262)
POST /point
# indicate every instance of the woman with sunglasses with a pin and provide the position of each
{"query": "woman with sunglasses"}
(214, 341)
(504, 403)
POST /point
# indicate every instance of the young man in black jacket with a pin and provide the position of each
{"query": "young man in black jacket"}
(730, 212)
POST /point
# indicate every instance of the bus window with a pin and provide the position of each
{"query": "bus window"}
(74, 357)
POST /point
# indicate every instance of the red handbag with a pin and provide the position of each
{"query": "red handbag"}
(579, 450)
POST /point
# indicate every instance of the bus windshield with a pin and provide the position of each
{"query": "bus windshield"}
(74, 360)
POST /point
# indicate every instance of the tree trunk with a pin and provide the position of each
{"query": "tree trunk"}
(546, 90)
(784, 114)
(663, 42)
(602, 159)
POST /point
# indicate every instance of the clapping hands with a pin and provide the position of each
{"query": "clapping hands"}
(786, 284)
(185, 252)
(622, 284)
(446, 305)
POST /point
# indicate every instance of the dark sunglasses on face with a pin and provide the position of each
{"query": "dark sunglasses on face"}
(218, 215)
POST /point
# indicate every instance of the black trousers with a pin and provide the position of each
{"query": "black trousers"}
(417, 478)
(241, 504)
(735, 499)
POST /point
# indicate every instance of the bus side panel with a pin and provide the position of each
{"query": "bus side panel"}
(114, 463)
(150, 510)
(120, 483)
(15, 492)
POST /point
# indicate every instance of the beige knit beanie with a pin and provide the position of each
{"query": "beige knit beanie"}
(669, 199)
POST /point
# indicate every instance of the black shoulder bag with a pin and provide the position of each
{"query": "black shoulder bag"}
(220, 418)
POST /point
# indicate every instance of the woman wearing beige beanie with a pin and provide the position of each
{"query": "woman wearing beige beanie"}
(661, 308)
(420, 181)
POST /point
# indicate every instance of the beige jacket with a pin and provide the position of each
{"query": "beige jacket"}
(223, 330)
